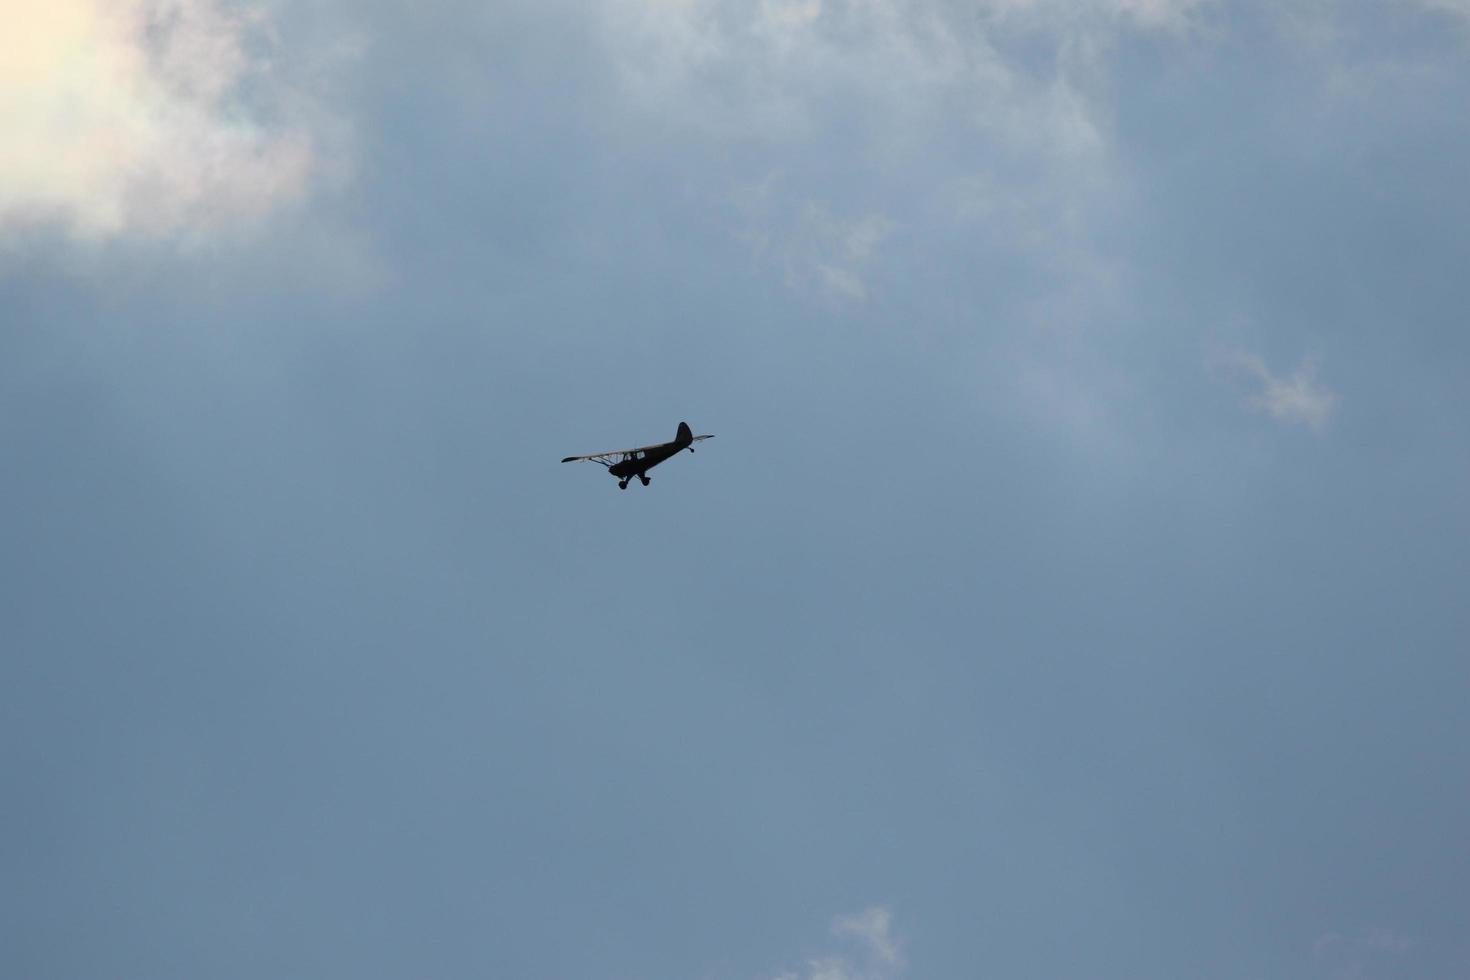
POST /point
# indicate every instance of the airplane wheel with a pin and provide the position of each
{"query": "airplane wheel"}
(646, 481)
(622, 484)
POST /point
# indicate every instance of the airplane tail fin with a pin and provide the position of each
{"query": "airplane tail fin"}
(686, 434)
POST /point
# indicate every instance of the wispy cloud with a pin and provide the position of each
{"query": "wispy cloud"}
(834, 251)
(918, 69)
(1298, 398)
(872, 927)
(1162, 13)
(1460, 8)
(890, 82)
(1167, 14)
(151, 117)
(817, 250)
(877, 955)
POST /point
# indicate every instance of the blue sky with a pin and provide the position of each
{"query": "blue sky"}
(1075, 587)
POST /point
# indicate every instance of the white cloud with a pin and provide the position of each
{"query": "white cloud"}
(878, 955)
(1299, 398)
(149, 117)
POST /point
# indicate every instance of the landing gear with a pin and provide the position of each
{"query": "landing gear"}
(646, 480)
(622, 484)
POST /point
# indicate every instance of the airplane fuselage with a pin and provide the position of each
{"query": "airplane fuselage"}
(643, 462)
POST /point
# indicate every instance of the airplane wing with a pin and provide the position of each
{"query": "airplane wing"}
(611, 456)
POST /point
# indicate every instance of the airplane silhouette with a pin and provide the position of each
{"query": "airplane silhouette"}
(628, 463)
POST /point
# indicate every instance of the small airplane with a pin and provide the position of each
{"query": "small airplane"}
(628, 463)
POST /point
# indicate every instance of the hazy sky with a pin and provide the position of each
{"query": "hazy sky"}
(1077, 586)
